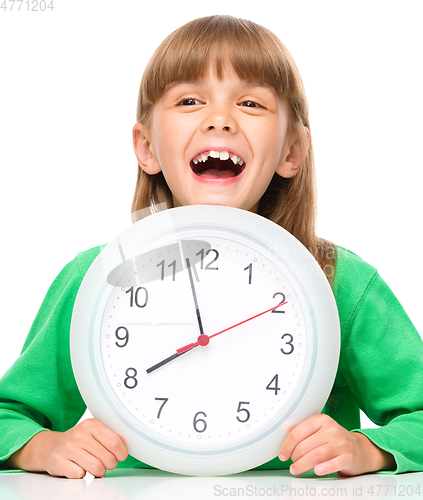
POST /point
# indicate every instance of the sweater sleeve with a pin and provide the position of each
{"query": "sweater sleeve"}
(39, 391)
(382, 363)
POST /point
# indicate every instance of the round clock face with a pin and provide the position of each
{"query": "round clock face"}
(201, 335)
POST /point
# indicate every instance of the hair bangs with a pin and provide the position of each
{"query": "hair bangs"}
(217, 42)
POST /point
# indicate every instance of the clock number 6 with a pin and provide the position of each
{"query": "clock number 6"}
(197, 420)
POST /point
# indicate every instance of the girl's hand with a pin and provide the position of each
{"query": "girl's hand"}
(88, 447)
(320, 443)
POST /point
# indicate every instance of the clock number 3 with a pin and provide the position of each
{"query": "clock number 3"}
(288, 343)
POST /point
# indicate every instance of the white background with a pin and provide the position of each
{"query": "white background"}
(68, 93)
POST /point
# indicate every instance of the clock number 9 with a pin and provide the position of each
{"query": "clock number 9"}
(197, 420)
(137, 291)
(125, 338)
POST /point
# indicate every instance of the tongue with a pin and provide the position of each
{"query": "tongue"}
(217, 174)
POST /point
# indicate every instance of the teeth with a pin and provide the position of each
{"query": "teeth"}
(222, 155)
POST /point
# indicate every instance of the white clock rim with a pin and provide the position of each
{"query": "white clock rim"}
(83, 357)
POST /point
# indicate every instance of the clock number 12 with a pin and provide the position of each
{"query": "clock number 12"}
(208, 266)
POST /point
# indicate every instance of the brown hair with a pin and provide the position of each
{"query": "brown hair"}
(255, 54)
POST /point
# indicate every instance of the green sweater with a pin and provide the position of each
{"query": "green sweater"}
(380, 369)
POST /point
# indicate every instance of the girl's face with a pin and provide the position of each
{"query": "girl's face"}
(218, 141)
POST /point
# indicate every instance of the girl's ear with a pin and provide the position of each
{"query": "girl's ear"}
(143, 150)
(294, 156)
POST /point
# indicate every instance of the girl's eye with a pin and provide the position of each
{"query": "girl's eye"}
(189, 102)
(250, 104)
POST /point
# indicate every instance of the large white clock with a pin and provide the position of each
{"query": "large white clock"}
(201, 335)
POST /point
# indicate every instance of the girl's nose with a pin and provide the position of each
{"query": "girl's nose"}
(220, 119)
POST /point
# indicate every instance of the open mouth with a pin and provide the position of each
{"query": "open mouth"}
(217, 165)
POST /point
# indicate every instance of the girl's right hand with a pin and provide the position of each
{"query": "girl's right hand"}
(88, 447)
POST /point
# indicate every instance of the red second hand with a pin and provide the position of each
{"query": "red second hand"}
(203, 340)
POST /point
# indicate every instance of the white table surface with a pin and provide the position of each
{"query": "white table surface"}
(127, 484)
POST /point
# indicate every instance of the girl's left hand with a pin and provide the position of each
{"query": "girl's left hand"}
(321, 444)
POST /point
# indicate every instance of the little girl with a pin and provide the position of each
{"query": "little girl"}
(223, 119)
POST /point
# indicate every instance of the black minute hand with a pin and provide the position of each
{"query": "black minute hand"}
(197, 310)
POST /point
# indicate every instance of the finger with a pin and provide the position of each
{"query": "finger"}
(61, 467)
(108, 439)
(296, 435)
(308, 446)
(91, 446)
(90, 463)
(323, 460)
(314, 458)
(73, 460)
(100, 452)
(337, 464)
